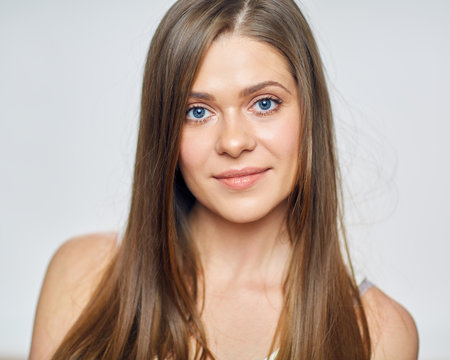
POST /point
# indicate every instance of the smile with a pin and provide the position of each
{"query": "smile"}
(241, 179)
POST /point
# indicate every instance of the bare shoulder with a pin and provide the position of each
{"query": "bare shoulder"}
(72, 275)
(392, 329)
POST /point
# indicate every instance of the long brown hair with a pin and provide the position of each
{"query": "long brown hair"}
(146, 304)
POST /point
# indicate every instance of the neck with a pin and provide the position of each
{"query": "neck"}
(241, 252)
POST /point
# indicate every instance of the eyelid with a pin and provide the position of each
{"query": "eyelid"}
(266, 96)
(200, 105)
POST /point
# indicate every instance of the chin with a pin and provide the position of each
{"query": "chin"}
(243, 218)
(242, 214)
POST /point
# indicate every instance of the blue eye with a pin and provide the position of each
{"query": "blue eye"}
(266, 105)
(197, 113)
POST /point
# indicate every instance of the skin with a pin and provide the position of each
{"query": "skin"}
(236, 132)
(240, 234)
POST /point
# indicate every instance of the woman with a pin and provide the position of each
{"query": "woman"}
(232, 247)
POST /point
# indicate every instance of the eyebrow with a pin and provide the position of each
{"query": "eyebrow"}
(245, 92)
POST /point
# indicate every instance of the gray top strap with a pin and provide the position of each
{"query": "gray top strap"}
(364, 286)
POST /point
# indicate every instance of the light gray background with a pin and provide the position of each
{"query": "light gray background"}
(70, 77)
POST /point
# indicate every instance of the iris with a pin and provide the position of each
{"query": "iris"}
(265, 104)
(198, 112)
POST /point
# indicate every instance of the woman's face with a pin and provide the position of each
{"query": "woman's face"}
(240, 141)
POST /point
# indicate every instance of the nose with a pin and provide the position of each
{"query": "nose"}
(235, 136)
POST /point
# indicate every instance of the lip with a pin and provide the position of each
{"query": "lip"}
(240, 179)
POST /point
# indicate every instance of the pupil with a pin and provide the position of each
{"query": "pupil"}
(199, 112)
(265, 104)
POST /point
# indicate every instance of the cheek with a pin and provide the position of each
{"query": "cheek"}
(288, 139)
(194, 150)
(283, 141)
(282, 138)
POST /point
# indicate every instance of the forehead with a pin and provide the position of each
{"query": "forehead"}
(241, 61)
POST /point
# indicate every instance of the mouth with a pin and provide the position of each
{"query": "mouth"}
(240, 179)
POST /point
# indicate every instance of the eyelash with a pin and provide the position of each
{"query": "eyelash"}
(276, 100)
